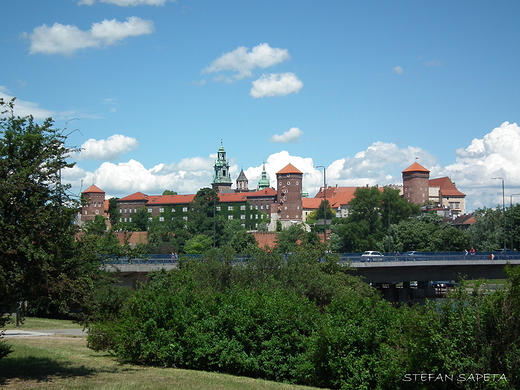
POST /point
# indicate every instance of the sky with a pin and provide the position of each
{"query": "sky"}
(150, 89)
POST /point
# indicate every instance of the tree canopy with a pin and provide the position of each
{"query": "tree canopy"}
(40, 261)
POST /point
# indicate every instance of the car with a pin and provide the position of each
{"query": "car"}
(372, 254)
(413, 255)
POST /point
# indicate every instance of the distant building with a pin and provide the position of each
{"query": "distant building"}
(94, 204)
(289, 194)
(415, 183)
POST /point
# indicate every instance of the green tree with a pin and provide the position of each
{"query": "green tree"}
(169, 192)
(243, 242)
(113, 211)
(40, 260)
(141, 219)
(487, 233)
(198, 244)
(202, 212)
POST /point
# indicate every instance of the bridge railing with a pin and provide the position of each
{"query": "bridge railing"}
(158, 259)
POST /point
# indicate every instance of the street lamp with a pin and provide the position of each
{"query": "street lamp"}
(503, 207)
(511, 211)
(324, 203)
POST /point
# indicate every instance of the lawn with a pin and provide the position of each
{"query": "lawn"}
(64, 362)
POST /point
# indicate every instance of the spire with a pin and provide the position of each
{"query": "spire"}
(264, 182)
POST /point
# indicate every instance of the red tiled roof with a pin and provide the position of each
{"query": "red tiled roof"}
(265, 192)
(311, 203)
(289, 168)
(447, 188)
(93, 188)
(170, 199)
(135, 196)
(416, 167)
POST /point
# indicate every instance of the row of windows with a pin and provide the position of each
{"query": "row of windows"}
(161, 219)
(185, 209)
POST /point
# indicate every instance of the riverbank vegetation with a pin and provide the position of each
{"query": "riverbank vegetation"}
(301, 321)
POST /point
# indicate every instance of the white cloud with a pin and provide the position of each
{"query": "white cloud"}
(276, 85)
(67, 39)
(497, 154)
(291, 135)
(106, 150)
(25, 108)
(398, 70)
(125, 3)
(242, 62)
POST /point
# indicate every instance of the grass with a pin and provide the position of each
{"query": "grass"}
(34, 323)
(65, 362)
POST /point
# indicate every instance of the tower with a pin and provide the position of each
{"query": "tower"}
(416, 183)
(263, 183)
(94, 205)
(221, 177)
(242, 182)
(289, 193)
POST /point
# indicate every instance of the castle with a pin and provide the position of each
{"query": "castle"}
(267, 205)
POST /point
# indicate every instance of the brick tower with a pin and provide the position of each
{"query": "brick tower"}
(289, 193)
(415, 183)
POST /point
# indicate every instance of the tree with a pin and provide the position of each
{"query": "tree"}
(169, 192)
(141, 219)
(487, 233)
(202, 217)
(40, 261)
(113, 211)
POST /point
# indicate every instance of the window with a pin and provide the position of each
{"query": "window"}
(288, 183)
(161, 209)
(149, 210)
(184, 209)
(218, 208)
(230, 208)
(125, 211)
(243, 207)
(173, 210)
(161, 219)
(242, 216)
(97, 212)
(230, 217)
(185, 217)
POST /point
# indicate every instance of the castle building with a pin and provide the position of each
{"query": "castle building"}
(94, 204)
(289, 193)
(415, 183)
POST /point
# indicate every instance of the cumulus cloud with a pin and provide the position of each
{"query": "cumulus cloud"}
(497, 154)
(125, 3)
(380, 164)
(106, 150)
(291, 135)
(242, 62)
(398, 70)
(280, 84)
(67, 39)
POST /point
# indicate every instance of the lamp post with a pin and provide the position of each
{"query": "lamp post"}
(511, 219)
(503, 207)
(324, 202)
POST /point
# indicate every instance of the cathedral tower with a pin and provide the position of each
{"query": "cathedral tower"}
(221, 177)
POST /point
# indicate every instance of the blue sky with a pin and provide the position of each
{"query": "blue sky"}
(362, 87)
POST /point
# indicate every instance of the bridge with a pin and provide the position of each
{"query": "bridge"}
(399, 277)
